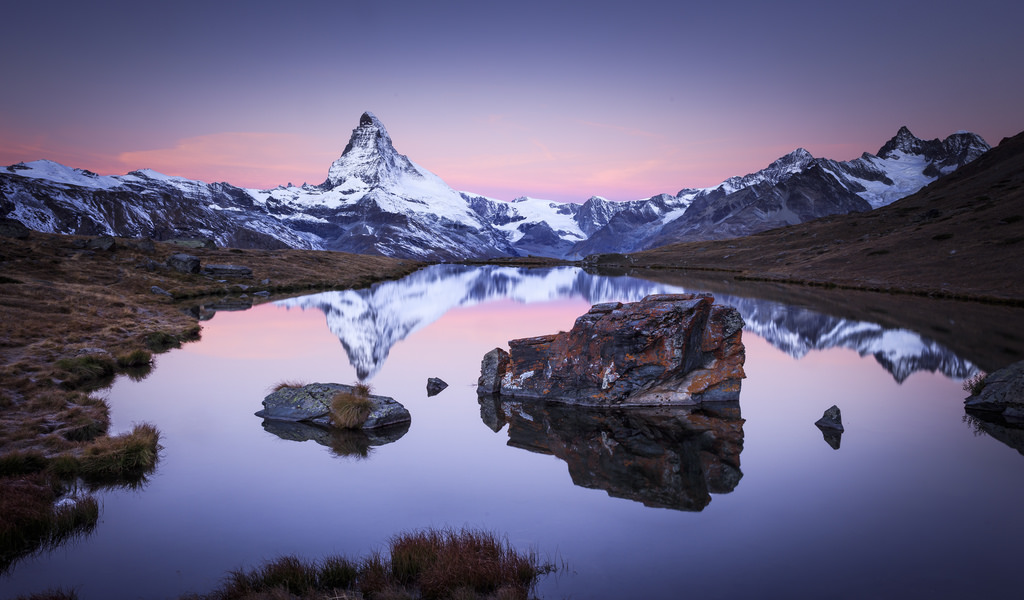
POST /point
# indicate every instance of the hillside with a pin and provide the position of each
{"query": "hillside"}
(961, 236)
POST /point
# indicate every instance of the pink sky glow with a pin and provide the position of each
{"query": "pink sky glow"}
(559, 102)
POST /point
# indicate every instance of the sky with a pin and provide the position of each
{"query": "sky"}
(554, 100)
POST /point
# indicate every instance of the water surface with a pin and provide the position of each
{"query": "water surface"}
(746, 501)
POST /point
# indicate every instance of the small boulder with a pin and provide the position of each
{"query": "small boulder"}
(227, 271)
(312, 404)
(435, 386)
(141, 244)
(185, 263)
(104, 243)
(832, 419)
(160, 291)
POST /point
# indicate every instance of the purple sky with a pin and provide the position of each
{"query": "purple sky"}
(557, 100)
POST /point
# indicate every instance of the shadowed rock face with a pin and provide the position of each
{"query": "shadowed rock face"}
(998, 408)
(664, 350)
(665, 457)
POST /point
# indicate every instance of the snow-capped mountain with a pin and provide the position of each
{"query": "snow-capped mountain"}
(369, 322)
(798, 188)
(377, 201)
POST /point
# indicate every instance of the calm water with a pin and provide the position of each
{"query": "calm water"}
(914, 503)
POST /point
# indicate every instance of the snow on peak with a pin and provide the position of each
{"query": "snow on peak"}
(56, 172)
(369, 160)
(780, 169)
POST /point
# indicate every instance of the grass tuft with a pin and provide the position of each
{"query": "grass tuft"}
(81, 370)
(125, 458)
(286, 385)
(30, 521)
(349, 410)
(430, 564)
(134, 359)
(975, 383)
(21, 462)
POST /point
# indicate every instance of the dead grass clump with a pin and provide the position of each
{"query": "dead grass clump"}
(30, 521)
(21, 462)
(125, 458)
(349, 410)
(440, 563)
(135, 359)
(286, 385)
(975, 383)
(470, 565)
(81, 370)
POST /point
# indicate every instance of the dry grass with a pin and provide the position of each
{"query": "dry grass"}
(74, 318)
(349, 410)
(430, 564)
(286, 385)
(960, 237)
(30, 522)
(975, 383)
(134, 359)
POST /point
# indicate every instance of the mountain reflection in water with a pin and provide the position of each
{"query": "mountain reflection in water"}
(665, 457)
(368, 322)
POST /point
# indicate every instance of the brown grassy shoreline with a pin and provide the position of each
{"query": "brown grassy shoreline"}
(74, 315)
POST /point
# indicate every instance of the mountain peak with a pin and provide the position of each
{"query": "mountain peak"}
(369, 157)
(903, 141)
(957, 149)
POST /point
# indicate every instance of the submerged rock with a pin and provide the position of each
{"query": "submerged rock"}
(673, 349)
(312, 404)
(435, 386)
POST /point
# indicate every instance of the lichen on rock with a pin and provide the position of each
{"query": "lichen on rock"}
(664, 350)
(312, 404)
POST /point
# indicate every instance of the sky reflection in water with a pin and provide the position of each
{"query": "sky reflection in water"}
(912, 503)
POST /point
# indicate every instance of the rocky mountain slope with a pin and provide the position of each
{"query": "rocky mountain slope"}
(377, 201)
(962, 236)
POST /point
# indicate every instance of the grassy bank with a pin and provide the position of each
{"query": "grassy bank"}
(430, 564)
(76, 314)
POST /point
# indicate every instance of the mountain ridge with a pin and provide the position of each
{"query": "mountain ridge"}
(378, 201)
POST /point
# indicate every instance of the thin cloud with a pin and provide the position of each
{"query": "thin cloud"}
(249, 159)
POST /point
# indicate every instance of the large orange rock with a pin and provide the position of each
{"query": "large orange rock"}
(678, 349)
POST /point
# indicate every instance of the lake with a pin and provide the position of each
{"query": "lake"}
(916, 501)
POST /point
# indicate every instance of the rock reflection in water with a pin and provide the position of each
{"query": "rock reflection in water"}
(342, 442)
(665, 457)
(1009, 433)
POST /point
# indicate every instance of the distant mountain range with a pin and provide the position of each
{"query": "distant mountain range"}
(377, 201)
(370, 321)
